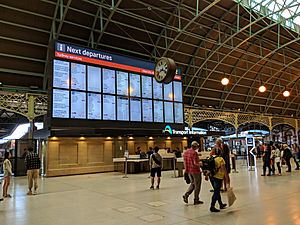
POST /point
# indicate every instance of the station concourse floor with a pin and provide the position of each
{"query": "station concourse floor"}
(109, 199)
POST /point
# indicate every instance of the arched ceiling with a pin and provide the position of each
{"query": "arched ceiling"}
(207, 39)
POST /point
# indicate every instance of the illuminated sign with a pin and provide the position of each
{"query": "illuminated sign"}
(168, 129)
(85, 55)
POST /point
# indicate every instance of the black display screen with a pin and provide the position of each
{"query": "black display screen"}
(90, 90)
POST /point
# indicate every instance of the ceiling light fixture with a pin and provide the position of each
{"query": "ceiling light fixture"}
(286, 93)
(262, 88)
(225, 81)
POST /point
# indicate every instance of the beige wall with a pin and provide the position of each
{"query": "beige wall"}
(67, 156)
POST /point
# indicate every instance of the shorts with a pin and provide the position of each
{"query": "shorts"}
(154, 171)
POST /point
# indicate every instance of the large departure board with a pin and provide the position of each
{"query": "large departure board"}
(86, 89)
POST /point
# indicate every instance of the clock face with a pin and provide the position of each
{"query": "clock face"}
(165, 70)
(161, 70)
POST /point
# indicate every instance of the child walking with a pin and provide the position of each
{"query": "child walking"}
(7, 174)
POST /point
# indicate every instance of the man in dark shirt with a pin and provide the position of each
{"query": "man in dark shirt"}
(33, 164)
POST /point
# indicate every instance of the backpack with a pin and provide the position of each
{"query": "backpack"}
(210, 165)
(287, 153)
(156, 160)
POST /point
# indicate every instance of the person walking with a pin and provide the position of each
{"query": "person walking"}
(217, 180)
(192, 168)
(295, 155)
(33, 164)
(7, 169)
(278, 159)
(267, 160)
(225, 154)
(287, 155)
(272, 159)
(156, 164)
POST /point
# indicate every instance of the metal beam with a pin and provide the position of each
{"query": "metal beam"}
(22, 57)
(63, 18)
(188, 24)
(51, 37)
(5, 70)
(23, 41)
(114, 9)
(245, 40)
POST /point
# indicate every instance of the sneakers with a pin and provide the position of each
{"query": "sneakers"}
(185, 199)
(35, 192)
(198, 202)
(157, 187)
(223, 206)
(213, 209)
(152, 188)
(29, 193)
(1, 199)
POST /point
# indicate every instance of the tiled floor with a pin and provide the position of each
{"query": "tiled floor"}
(109, 199)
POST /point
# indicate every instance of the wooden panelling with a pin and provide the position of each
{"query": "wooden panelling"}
(68, 154)
(95, 153)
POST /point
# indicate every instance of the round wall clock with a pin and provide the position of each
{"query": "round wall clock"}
(165, 70)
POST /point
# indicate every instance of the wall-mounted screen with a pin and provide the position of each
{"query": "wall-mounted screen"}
(169, 114)
(122, 108)
(147, 110)
(78, 105)
(61, 74)
(60, 103)
(94, 79)
(157, 90)
(178, 115)
(135, 85)
(177, 91)
(94, 106)
(78, 76)
(122, 83)
(168, 91)
(146, 87)
(109, 107)
(109, 79)
(93, 88)
(158, 111)
(135, 109)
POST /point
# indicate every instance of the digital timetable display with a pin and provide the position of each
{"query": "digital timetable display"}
(91, 91)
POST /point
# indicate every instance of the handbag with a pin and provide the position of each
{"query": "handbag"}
(187, 178)
(231, 196)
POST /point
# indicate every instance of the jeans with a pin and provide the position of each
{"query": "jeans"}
(288, 163)
(265, 165)
(194, 186)
(295, 160)
(278, 166)
(217, 184)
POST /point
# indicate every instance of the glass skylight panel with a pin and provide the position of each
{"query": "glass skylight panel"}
(286, 10)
